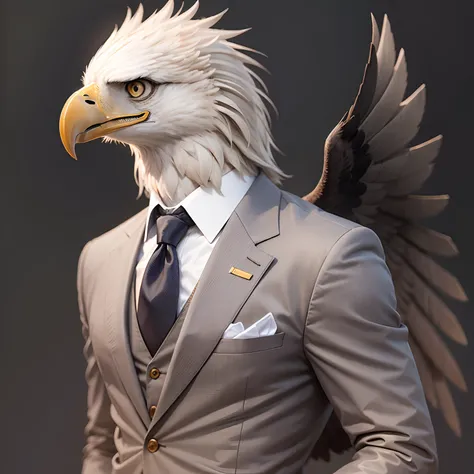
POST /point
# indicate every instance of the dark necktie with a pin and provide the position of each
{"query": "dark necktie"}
(158, 300)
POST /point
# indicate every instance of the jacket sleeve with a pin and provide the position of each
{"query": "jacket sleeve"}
(358, 347)
(99, 448)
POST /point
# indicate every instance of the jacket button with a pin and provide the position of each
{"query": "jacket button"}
(152, 446)
(154, 373)
(152, 411)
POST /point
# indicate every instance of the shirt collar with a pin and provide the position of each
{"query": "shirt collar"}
(209, 209)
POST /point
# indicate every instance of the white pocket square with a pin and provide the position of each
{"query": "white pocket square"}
(265, 326)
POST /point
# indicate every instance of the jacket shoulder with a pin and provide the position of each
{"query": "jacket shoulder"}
(308, 219)
(99, 248)
(309, 234)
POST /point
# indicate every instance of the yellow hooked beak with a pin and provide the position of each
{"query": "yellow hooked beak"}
(83, 119)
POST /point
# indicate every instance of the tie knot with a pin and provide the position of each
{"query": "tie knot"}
(171, 227)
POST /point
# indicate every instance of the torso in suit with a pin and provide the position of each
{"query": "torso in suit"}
(255, 406)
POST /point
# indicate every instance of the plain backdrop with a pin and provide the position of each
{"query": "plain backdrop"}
(52, 205)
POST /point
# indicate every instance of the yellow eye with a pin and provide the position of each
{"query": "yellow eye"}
(136, 89)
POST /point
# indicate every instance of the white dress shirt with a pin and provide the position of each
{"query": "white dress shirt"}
(210, 211)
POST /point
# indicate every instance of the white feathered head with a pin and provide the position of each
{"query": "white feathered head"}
(182, 96)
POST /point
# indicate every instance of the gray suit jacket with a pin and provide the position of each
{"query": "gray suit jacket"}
(258, 405)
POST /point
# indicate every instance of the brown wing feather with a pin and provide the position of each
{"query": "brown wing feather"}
(369, 175)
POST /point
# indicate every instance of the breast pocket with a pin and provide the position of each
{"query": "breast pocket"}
(257, 344)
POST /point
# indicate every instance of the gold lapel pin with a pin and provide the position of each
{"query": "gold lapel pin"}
(240, 273)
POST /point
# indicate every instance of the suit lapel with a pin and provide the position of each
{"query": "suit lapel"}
(220, 295)
(121, 267)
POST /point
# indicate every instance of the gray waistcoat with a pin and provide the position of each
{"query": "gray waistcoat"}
(144, 362)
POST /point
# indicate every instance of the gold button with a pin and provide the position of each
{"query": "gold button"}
(154, 373)
(152, 446)
(152, 410)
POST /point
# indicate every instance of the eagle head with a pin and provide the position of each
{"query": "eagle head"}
(182, 96)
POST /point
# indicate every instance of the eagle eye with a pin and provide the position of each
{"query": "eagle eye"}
(135, 89)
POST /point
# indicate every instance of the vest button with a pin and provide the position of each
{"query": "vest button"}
(154, 373)
(152, 411)
(153, 446)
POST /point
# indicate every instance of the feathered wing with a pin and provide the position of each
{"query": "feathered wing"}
(370, 174)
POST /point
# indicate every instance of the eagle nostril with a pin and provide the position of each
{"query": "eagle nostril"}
(90, 102)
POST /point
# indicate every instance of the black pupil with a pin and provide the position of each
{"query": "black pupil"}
(135, 88)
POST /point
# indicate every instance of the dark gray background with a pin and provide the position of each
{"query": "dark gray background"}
(52, 205)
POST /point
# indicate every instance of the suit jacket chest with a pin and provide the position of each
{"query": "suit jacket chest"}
(219, 297)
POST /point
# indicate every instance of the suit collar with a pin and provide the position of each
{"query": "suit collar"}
(208, 208)
(259, 210)
(135, 224)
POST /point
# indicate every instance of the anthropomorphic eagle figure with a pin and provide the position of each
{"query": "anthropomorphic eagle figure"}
(227, 388)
